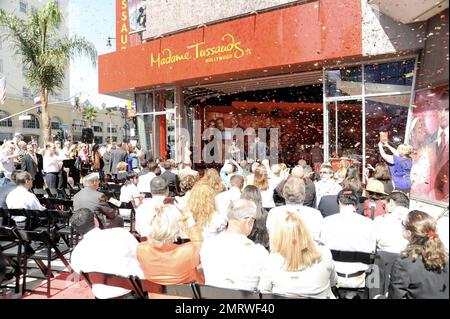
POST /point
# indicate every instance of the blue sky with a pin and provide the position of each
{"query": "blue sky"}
(95, 20)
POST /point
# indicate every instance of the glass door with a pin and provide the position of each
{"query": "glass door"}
(345, 131)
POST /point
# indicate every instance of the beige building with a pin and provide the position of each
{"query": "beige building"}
(20, 97)
(65, 119)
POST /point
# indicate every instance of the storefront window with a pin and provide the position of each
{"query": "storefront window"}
(385, 114)
(388, 77)
(345, 81)
(345, 129)
(354, 123)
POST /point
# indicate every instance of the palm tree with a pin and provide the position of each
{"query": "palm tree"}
(90, 114)
(44, 52)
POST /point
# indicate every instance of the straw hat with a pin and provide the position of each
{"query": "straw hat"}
(375, 186)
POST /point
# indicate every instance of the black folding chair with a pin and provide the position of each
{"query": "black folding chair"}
(354, 257)
(45, 249)
(181, 290)
(211, 292)
(12, 250)
(128, 283)
(39, 192)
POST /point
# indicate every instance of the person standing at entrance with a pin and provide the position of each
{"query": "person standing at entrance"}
(52, 166)
(316, 156)
(400, 165)
(118, 155)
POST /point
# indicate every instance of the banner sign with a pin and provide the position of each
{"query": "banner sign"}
(137, 15)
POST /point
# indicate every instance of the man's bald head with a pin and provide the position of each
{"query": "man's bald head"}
(298, 172)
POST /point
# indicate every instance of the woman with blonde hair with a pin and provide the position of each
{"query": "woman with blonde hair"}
(122, 171)
(212, 178)
(161, 259)
(297, 266)
(261, 180)
(202, 205)
(421, 271)
(400, 165)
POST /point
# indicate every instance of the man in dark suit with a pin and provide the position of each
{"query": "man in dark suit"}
(118, 155)
(30, 164)
(90, 198)
(171, 178)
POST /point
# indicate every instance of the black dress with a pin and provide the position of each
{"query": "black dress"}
(411, 280)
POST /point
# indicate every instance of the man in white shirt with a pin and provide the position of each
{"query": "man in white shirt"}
(294, 193)
(144, 213)
(349, 231)
(388, 227)
(52, 166)
(21, 197)
(7, 157)
(110, 251)
(224, 199)
(327, 185)
(230, 259)
(145, 179)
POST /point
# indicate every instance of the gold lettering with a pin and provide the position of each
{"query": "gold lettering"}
(239, 52)
(124, 38)
(124, 16)
(153, 61)
(124, 4)
(124, 28)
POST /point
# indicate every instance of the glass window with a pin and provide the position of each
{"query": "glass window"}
(345, 81)
(26, 92)
(389, 77)
(23, 6)
(32, 123)
(345, 129)
(98, 127)
(98, 139)
(385, 114)
(1, 65)
(24, 71)
(55, 123)
(6, 123)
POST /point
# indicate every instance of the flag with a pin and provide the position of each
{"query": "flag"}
(37, 101)
(2, 90)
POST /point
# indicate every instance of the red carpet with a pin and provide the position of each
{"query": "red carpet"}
(63, 286)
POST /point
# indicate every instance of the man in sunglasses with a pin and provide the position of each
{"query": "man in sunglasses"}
(327, 185)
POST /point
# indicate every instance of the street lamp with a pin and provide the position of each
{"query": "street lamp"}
(108, 41)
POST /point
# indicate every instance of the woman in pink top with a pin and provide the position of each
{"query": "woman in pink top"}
(162, 260)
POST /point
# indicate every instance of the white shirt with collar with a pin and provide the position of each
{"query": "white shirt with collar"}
(312, 218)
(326, 187)
(231, 260)
(7, 163)
(315, 281)
(388, 230)
(224, 199)
(145, 212)
(51, 164)
(111, 251)
(349, 231)
(22, 198)
(144, 182)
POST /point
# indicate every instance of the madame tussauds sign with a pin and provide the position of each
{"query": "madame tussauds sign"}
(229, 49)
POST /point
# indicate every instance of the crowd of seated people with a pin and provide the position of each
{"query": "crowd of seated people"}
(249, 226)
